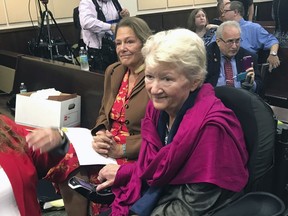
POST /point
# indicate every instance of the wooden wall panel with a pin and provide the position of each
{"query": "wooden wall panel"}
(179, 3)
(20, 15)
(64, 8)
(201, 2)
(151, 4)
(2, 13)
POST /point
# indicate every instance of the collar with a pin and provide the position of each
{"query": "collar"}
(164, 118)
(224, 57)
(140, 69)
(241, 21)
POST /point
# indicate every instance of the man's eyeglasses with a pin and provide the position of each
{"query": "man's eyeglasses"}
(230, 42)
(225, 11)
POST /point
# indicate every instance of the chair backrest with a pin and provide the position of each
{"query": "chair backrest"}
(259, 127)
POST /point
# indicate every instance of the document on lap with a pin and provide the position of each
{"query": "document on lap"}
(81, 139)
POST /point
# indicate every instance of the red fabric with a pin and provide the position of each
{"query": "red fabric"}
(228, 73)
(23, 171)
(191, 157)
(119, 130)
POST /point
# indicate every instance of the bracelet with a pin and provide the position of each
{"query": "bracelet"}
(124, 150)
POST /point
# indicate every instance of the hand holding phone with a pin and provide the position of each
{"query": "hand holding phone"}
(88, 190)
(241, 76)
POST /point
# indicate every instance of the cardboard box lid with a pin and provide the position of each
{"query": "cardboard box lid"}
(61, 97)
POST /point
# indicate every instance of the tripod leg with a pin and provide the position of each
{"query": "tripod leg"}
(62, 36)
(41, 28)
(49, 35)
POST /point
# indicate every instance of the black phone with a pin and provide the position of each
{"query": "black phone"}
(88, 190)
(247, 62)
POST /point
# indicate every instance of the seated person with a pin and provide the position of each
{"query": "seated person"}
(227, 50)
(117, 130)
(193, 155)
(248, 7)
(22, 162)
(198, 23)
(220, 7)
(254, 36)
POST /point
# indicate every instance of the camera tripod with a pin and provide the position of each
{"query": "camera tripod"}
(46, 15)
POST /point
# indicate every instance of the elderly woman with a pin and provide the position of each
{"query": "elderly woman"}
(193, 154)
(117, 130)
(198, 23)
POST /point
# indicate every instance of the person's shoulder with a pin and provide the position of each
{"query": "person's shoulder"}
(117, 66)
(212, 49)
(6, 119)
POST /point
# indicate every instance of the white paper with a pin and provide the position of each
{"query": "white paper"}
(81, 139)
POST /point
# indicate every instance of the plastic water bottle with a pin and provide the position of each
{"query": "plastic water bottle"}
(83, 59)
(23, 88)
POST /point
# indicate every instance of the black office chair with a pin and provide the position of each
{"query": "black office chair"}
(259, 126)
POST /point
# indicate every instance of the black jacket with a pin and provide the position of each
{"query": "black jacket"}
(214, 60)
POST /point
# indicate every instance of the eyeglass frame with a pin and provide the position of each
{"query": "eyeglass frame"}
(230, 42)
(225, 11)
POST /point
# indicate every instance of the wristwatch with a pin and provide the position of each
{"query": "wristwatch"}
(273, 53)
(62, 134)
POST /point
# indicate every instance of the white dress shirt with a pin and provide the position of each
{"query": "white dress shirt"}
(93, 29)
(8, 205)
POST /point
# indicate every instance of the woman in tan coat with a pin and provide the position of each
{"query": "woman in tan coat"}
(117, 130)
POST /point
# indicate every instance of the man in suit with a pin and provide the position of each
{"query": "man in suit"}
(254, 37)
(225, 60)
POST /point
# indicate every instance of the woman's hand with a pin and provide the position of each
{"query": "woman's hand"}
(107, 176)
(209, 26)
(104, 144)
(101, 143)
(44, 139)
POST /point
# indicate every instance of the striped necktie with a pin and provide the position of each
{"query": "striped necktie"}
(228, 72)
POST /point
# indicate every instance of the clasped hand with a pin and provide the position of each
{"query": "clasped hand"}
(104, 144)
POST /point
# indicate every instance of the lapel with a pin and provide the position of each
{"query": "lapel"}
(117, 75)
(239, 59)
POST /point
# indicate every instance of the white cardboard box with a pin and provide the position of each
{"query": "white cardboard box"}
(57, 111)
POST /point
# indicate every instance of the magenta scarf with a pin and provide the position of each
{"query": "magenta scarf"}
(189, 158)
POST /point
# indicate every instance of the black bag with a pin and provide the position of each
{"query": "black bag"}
(105, 56)
(100, 59)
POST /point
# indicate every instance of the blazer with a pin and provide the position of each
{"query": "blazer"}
(23, 171)
(134, 111)
(214, 63)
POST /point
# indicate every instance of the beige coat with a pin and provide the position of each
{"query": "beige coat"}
(134, 111)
